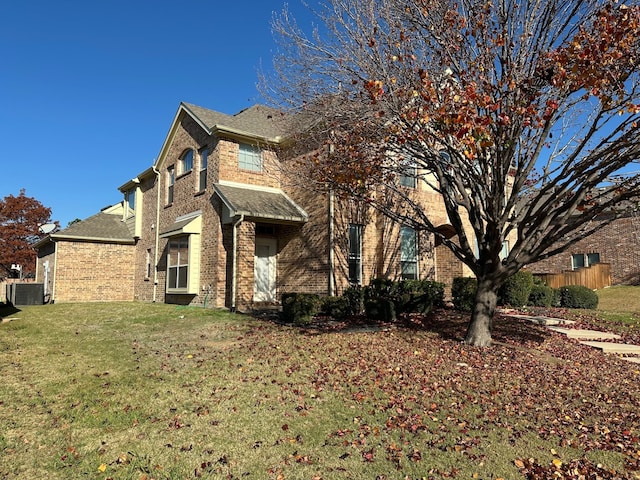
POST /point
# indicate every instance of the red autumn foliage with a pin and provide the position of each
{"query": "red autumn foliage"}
(20, 219)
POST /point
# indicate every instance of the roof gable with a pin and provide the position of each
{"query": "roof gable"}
(258, 123)
(102, 227)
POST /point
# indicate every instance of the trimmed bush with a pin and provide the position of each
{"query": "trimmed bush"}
(354, 298)
(380, 298)
(418, 296)
(516, 289)
(299, 308)
(384, 298)
(578, 296)
(463, 293)
(543, 296)
(336, 307)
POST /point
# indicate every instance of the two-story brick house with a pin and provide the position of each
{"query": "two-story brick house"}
(219, 221)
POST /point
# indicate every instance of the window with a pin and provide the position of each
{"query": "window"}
(186, 162)
(130, 202)
(504, 253)
(355, 254)
(147, 273)
(409, 172)
(204, 161)
(408, 253)
(171, 180)
(579, 260)
(178, 264)
(249, 158)
(593, 258)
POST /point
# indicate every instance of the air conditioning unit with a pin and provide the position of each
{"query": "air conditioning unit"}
(25, 293)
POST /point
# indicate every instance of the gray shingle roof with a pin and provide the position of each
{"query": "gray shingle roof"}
(260, 204)
(102, 227)
(258, 120)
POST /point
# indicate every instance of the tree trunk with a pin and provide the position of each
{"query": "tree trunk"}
(479, 330)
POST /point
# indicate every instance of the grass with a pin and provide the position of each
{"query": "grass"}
(620, 299)
(149, 391)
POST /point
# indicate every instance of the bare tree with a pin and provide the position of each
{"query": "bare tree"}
(518, 112)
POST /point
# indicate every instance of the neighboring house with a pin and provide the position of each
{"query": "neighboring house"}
(88, 261)
(617, 244)
(219, 221)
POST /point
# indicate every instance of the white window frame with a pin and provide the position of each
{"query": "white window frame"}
(178, 262)
(186, 161)
(354, 255)
(409, 258)
(409, 173)
(204, 163)
(171, 181)
(249, 157)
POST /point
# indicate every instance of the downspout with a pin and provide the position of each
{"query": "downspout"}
(52, 297)
(234, 261)
(157, 239)
(331, 243)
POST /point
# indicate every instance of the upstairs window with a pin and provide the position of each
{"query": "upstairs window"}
(409, 173)
(355, 254)
(130, 202)
(504, 252)
(204, 162)
(186, 162)
(171, 180)
(249, 157)
(593, 258)
(579, 260)
(408, 253)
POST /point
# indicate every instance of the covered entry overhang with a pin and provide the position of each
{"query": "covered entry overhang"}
(242, 202)
(257, 204)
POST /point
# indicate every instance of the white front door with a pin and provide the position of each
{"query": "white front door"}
(264, 270)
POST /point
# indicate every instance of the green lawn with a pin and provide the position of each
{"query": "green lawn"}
(149, 391)
(620, 299)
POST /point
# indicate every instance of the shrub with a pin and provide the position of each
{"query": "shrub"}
(418, 296)
(516, 289)
(299, 308)
(354, 299)
(336, 307)
(463, 293)
(380, 298)
(578, 296)
(543, 296)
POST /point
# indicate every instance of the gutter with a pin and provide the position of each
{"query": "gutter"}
(52, 297)
(234, 261)
(157, 234)
(331, 244)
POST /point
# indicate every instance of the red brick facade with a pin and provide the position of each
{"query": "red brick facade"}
(310, 255)
(617, 244)
(88, 272)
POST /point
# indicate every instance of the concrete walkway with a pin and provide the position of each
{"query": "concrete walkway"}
(591, 338)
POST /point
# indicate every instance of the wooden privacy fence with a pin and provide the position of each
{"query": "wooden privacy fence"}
(594, 277)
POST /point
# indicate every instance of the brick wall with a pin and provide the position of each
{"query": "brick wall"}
(229, 170)
(303, 259)
(618, 244)
(93, 272)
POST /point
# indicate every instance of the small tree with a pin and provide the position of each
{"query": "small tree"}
(523, 114)
(20, 221)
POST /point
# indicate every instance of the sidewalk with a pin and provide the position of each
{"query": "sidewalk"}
(604, 341)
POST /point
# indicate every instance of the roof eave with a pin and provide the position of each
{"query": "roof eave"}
(223, 130)
(83, 238)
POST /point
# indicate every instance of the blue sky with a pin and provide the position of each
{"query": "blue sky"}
(88, 89)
